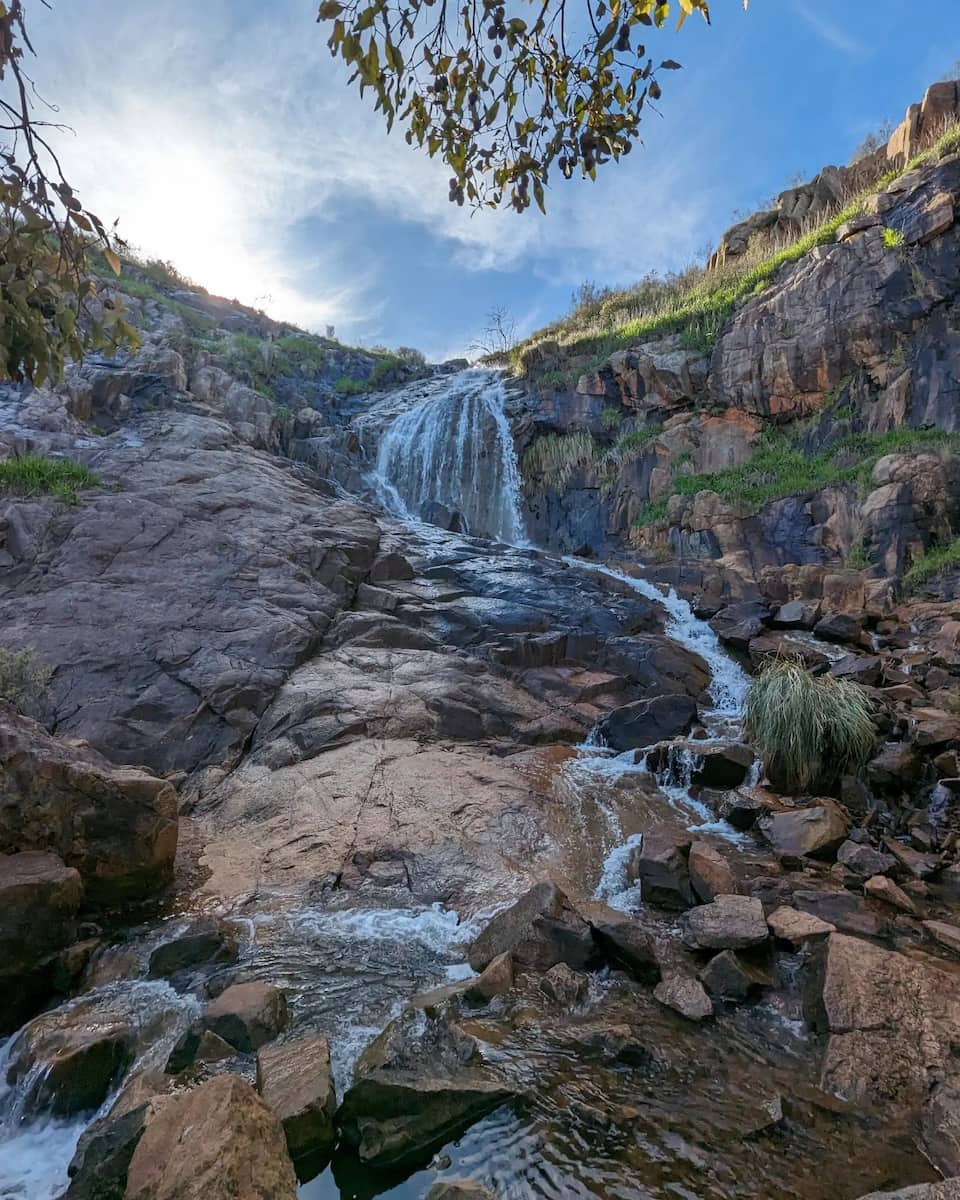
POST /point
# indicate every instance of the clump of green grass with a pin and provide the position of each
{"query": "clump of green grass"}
(34, 475)
(23, 681)
(610, 418)
(857, 559)
(893, 239)
(350, 387)
(552, 459)
(782, 468)
(807, 728)
(930, 564)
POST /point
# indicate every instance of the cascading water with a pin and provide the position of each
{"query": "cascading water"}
(453, 447)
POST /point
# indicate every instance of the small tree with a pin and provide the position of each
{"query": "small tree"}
(50, 309)
(23, 681)
(808, 729)
(499, 335)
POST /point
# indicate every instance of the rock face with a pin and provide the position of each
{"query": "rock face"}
(116, 825)
(296, 1081)
(218, 1141)
(539, 931)
(39, 899)
(889, 1019)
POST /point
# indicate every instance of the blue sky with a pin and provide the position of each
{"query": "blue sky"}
(226, 140)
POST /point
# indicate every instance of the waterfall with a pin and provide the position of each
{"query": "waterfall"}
(453, 447)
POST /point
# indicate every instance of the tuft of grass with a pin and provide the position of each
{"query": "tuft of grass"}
(34, 475)
(930, 564)
(782, 468)
(350, 387)
(23, 681)
(893, 239)
(807, 728)
(552, 459)
(857, 559)
(610, 418)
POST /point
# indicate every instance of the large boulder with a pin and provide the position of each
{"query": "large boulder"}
(540, 930)
(815, 830)
(296, 1081)
(646, 722)
(39, 899)
(116, 825)
(218, 1141)
(890, 1020)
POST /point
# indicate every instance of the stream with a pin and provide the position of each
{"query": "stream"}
(691, 1123)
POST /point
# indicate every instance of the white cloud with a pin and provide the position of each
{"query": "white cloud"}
(214, 138)
(829, 32)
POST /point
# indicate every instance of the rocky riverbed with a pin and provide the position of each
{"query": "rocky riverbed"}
(360, 854)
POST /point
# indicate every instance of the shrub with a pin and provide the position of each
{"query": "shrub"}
(808, 729)
(33, 475)
(23, 681)
(410, 357)
(610, 418)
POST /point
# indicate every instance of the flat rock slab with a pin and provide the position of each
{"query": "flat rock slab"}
(816, 830)
(729, 923)
(791, 925)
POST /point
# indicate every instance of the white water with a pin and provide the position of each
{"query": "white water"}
(35, 1150)
(452, 446)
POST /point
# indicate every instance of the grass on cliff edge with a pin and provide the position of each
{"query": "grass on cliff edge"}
(34, 475)
(930, 564)
(698, 302)
(803, 725)
(783, 468)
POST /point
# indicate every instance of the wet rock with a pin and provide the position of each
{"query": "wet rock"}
(296, 1081)
(395, 1116)
(685, 995)
(864, 669)
(881, 888)
(615, 1044)
(949, 882)
(918, 864)
(863, 860)
(218, 1141)
(710, 873)
(660, 867)
(645, 722)
(726, 977)
(715, 764)
(248, 1015)
(117, 826)
(625, 943)
(816, 830)
(742, 808)
(494, 980)
(840, 627)
(796, 614)
(948, 1189)
(211, 1048)
(890, 1020)
(80, 1062)
(458, 1189)
(564, 986)
(39, 899)
(208, 942)
(738, 624)
(790, 925)
(98, 1170)
(540, 930)
(941, 1127)
(944, 934)
(844, 910)
(728, 923)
